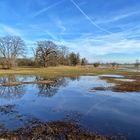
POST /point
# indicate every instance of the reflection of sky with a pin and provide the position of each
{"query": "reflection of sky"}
(105, 111)
(99, 30)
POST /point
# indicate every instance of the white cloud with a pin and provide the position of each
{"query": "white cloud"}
(90, 46)
(61, 26)
(8, 30)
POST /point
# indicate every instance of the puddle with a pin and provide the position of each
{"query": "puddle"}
(126, 80)
(104, 113)
(111, 76)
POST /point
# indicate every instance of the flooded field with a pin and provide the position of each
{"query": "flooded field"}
(85, 107)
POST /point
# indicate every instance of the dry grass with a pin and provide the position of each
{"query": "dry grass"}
(124, 86)
(71, 71)
(65, 71)
(21, 83)
(55, 131)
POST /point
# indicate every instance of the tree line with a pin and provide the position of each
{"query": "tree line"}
(47, 53)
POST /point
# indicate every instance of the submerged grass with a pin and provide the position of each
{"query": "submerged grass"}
(58, 130)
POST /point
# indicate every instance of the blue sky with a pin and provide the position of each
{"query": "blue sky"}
(101, 30)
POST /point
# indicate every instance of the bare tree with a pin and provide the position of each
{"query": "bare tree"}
(18, 48)
(45, 49)
(63, 55)
(10, 48)
(5, 51)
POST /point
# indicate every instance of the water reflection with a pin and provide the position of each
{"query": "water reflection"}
(51, 89)
(11, 91)
(73, 78)
(13, 78)
(105, 112)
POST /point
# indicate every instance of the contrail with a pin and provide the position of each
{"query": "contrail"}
(52, 36)
(87, 17)
(47, 8)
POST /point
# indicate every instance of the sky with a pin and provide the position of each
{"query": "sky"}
(100, 30)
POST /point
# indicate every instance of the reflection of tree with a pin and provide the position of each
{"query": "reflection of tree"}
(51, 88)
(9, 92)
(6, 79)
(16, 91)
(12, 78)
(73, 78)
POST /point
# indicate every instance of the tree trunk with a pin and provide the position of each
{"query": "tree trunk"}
(46, 65)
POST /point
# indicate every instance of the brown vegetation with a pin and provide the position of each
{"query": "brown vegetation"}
(21, 83)
(123, 86)
(55, 131)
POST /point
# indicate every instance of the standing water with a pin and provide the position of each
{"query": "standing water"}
(104, 112)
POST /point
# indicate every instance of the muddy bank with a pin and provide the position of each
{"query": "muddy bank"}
(55, 131)
(124, 84)
(100, 89)
(21, 83)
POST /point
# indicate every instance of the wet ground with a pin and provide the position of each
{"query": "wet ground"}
(85, 107)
